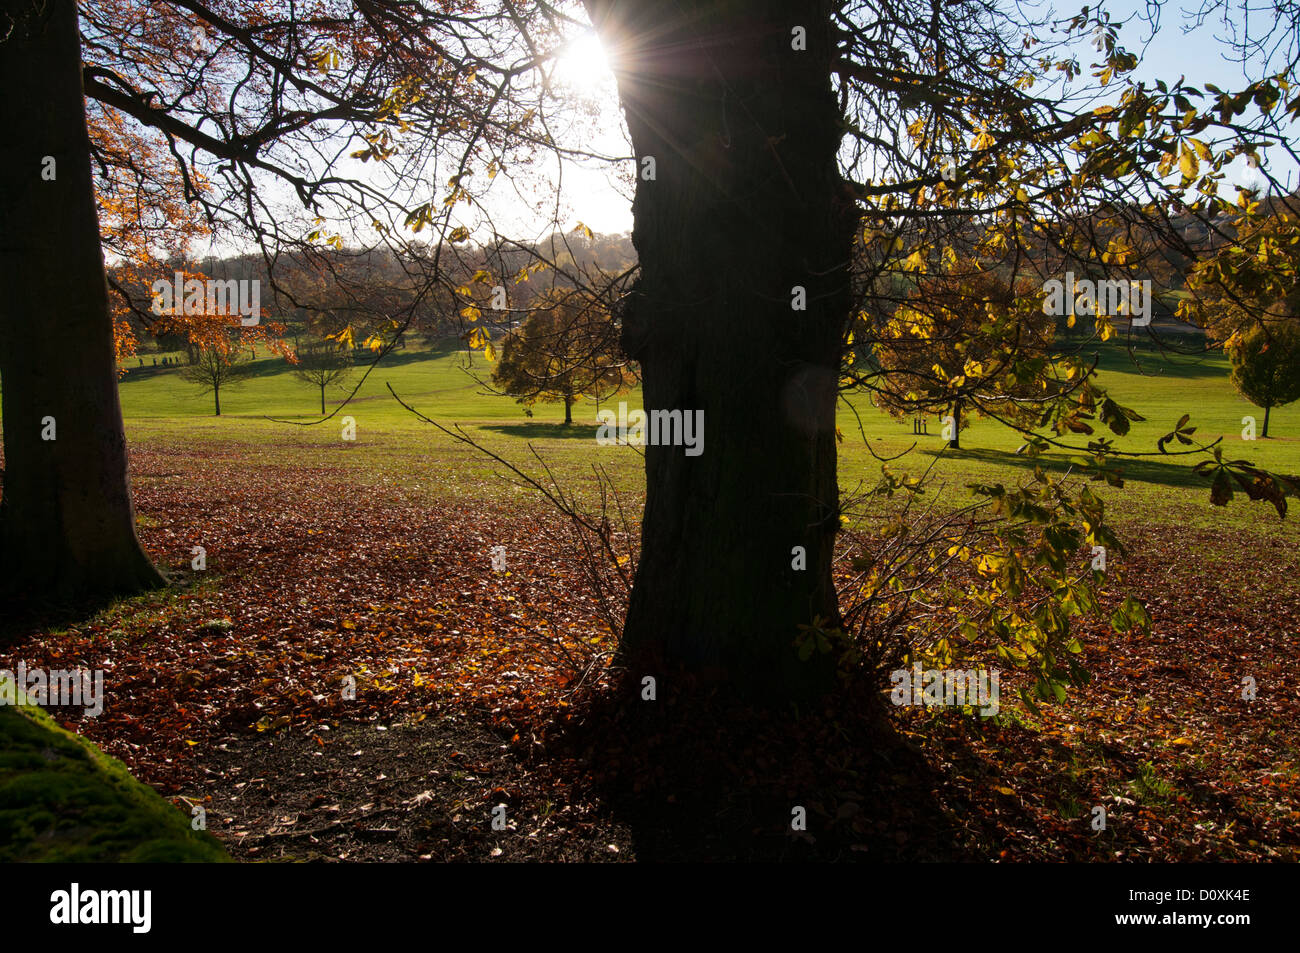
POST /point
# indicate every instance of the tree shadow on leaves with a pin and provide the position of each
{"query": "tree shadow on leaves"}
(698, 775)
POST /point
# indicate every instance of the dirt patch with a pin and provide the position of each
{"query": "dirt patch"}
(422, 792)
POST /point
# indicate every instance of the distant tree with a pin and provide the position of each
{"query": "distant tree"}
(175, 341)
(1247, 297)
(217, 368)
(566, 349)
(322, 364)
(1266, 367)
(1253, 281)
(966, 341)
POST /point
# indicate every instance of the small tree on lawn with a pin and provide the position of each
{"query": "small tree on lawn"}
(966, 340)
(217, 368)
(1266, 367)
(321, 365)
(566, 349)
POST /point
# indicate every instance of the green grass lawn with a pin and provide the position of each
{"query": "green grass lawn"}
(276, 413)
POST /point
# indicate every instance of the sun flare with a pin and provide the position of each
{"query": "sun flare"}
(583, 66)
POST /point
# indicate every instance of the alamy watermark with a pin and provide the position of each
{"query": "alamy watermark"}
(949, 687)
(214, 296)
(71, 688)
(74, 906)
(1106, 297)
(657, 428)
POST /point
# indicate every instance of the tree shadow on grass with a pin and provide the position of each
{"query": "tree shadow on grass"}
(273, 365)
(1143, 470)
(27, 613)
(1184, 358)
(544, 431)
(270, 366)
(1155, 366)
(443, 347)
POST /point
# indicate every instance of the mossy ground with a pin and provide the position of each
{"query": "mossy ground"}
(64, 800)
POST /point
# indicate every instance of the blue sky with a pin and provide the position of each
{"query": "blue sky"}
(1202, 56)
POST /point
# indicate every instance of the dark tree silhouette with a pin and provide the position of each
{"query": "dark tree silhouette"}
(789, 155)
(959, 344)
(739, 200)
(67, 530)
(566, 349)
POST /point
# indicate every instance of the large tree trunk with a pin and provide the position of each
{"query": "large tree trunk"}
(67, 531)
(1266, 411)
(568, 410)
(955, 442)
(746, 203)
